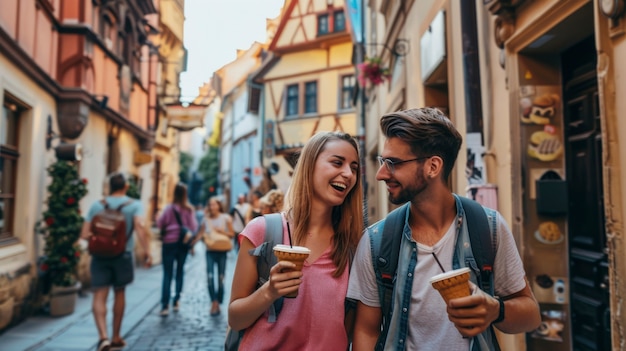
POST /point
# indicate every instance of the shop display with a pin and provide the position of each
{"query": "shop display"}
(544, 146)
(551, 327)
(549, 233)
(549, 289)
(541, 110)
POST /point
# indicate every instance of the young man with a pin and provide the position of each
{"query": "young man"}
(418, 155)
(115, 272)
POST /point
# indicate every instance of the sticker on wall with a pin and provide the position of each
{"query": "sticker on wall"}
(551, 327)
(540, 110)
(549, 233)
(474, 167)
(544, 145)
(549, 289)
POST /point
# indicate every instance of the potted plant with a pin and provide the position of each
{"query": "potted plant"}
(62, 224)
(372, 72)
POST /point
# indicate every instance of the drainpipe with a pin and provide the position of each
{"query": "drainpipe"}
(261, 117)
(362, 118)
(474, 139)
(471, 70)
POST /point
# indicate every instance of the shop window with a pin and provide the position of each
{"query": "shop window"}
(292, 100)
(347, 90)
(323, 25)
(9, 156)
(310, 97)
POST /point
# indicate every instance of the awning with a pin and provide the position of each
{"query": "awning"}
(185, 118)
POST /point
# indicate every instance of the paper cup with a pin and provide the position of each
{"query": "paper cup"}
(453, 284)
(295, 254)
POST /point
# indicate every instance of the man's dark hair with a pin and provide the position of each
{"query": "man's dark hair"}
(428, 132)
(117, 182)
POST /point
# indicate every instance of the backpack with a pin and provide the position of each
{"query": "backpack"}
(385, 254)
(184, 234)
(108, 229)
(265, 261)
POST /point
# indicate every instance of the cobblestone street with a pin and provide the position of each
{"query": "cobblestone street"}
(192, 328)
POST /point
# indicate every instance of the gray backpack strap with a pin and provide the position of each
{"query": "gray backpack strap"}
(266, 259)
(385, 252)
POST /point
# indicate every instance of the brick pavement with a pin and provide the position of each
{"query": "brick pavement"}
(192, 328)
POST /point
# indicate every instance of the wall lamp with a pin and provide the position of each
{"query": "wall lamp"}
(400, 47)
(64, 151)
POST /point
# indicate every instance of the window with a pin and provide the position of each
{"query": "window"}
(310, 97)
(292, 100)
(107, 30)
(127, 48)
(347, 88)
(254, 100)
(9, 156)
(322, 24)
(340, 21)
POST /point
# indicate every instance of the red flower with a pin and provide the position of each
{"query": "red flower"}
(49, 221)
(77, 254)
(70, 200)
(84, 181)
(371, 71)
(63, 259)
(43, 267)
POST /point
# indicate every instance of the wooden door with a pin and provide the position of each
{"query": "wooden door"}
(589, 290)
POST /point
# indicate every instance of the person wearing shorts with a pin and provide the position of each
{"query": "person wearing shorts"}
(116, 272)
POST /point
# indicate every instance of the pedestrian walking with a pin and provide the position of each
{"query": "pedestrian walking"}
(216, 223)
(418, 155)
(272, 202)
(199, 214)
(324, 214)
(255, 205)
(115, 272)
(178, 225)
(239, 213)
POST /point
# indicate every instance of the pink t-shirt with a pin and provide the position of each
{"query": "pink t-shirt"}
(311, 321)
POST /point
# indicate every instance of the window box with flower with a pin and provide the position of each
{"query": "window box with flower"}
(372, 72)
(61, 227)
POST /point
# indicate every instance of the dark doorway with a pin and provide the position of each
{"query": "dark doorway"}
(589, 290)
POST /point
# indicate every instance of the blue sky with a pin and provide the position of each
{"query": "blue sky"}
(214, 30)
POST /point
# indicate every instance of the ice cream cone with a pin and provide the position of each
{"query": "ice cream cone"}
(295, 254)
(453, 284)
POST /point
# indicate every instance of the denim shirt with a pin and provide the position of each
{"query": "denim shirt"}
(407, 261)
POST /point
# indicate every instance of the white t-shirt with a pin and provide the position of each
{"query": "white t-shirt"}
(429, 326)
(238, 221)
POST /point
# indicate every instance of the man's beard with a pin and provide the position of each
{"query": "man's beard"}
(409, 193)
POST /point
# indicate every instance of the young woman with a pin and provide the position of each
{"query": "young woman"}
(324, 214)
(171, 250)
(272, 202)
(255, 205)
(216, 219)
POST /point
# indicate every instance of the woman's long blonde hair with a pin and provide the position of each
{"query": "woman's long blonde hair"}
(347, 218)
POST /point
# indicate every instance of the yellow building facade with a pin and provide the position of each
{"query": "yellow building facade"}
(307, 83)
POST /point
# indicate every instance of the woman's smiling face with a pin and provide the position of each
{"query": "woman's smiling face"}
(335, 173)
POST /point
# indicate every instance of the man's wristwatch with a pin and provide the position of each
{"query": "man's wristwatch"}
(501, 314)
